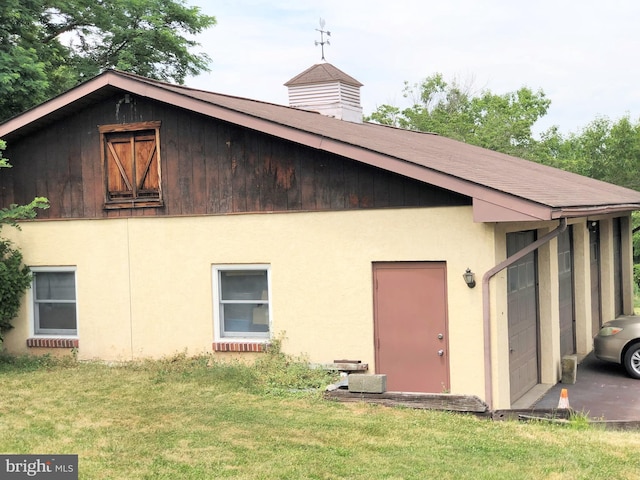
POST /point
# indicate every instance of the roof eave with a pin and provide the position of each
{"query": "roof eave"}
(572, 212)
(503, 207)
(50, 106)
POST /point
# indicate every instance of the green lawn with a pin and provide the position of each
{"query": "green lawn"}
(194, 419)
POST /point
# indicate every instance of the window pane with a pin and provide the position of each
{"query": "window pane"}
(57, 316)
(531, 274)
(522, 276)
(244, 285)
(512, 276)
(245, 317)
(55, 286)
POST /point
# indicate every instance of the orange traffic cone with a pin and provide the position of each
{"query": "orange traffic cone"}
(564, 399)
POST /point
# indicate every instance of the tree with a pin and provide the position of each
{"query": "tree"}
(622, 154)
(48, 46)
(605, 150)
(498, 122)
(15, 277)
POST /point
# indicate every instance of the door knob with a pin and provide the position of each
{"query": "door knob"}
(440, 336)
(440, 353)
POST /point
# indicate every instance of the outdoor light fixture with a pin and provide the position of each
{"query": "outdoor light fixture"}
(469, 278)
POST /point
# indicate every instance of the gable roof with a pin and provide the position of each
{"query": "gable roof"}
(503, 188)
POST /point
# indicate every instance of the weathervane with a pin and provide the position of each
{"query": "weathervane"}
(322, 40)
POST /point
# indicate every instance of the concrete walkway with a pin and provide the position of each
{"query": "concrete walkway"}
(602, 390)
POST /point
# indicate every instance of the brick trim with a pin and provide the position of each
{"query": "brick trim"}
(53, 342)
(239, 347)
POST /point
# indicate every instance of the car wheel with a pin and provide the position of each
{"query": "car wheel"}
(632, 361)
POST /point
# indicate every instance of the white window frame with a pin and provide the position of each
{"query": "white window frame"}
(254, 337)
(32, 302)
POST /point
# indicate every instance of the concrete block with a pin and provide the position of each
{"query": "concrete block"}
(569, 369)
(361, 383)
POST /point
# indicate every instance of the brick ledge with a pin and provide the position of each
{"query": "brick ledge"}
(53, 342)
(239, 347)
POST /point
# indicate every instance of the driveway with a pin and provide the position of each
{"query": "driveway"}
(602, 390)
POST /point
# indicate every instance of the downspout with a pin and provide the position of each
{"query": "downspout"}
(486, 307)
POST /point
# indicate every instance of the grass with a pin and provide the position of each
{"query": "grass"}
(193, 418)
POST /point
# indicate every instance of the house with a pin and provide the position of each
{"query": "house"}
(185, 220)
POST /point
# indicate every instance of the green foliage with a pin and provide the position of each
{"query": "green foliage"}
(273, 372)
(15, 278)
(22, 79)
(31, 69)
(579, 421)
(603, 149)
(279, 373)
(29, 363)
(48, 46)
(497, 122)
(11, 214)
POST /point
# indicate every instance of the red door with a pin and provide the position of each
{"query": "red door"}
(411, 343)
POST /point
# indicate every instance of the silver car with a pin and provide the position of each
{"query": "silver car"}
(619, 341)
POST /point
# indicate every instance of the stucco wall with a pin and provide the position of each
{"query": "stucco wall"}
(145, 288)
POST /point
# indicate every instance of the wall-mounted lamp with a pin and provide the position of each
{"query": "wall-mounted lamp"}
(469, 278)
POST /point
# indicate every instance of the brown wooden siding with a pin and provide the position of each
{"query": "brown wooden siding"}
(208, 167)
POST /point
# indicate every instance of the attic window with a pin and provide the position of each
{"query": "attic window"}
(131, 163)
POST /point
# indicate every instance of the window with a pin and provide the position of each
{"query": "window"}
(241, 296)
(131, 159)
(54, 301)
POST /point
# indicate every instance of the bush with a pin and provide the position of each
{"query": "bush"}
(15, 278)
(277, 372)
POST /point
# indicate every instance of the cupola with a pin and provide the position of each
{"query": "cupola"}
(327, 90)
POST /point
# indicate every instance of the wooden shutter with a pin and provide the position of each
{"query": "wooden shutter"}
(131, 158)
(120, 155)
(146, 163)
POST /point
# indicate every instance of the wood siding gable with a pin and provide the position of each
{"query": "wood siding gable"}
(208, 167)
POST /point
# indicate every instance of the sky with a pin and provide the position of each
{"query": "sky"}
(583, 54)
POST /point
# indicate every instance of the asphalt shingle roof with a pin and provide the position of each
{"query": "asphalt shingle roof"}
(504, 173)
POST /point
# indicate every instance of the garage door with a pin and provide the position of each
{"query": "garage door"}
(617, 266)
(566, 290)
(522, 316)
(596, 298)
